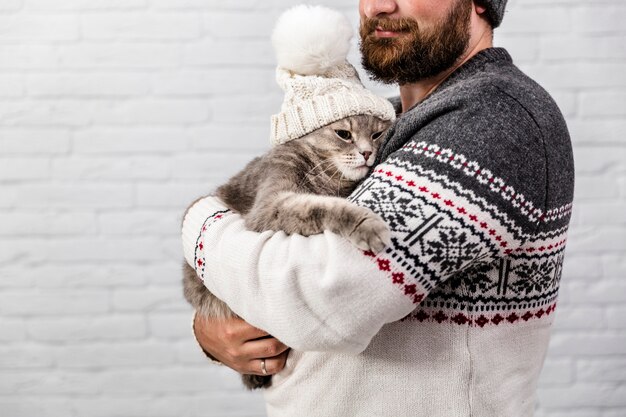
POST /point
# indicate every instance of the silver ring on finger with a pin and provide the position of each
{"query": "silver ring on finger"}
(263, 368)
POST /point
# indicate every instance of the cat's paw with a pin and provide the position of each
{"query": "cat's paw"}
(372, 234)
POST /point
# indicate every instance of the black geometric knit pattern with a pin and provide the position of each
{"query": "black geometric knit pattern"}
(476, 184)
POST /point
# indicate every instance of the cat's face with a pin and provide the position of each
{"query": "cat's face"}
(351, 144)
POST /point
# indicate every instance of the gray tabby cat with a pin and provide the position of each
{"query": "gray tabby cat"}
(300, 187)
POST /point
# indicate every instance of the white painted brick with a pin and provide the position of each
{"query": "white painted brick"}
(567, 102)
(602, 292)
(580, 318)
(565, 411)
(88, 329)
(174, 326)
(112, 275)
(128, 140)
(211, 53)
(537, 20)
(153, 112)
(38, 223)
(605, 74)
(135, 406)
(112, 249)
(601, 370)
(615, 412)
(188, 353)
(27, 56)
(177, 196)
(47, 112)
(165, 380)
(606, 103)
(616, 317)
(613, 266)
(85, 85)
(164, 273)
(34, 141)
(521, 47)
(598, 160)
(598, 240)
(585, 268)
(588, 344)
(253, 138)
(52, 302)
(605, 19)
(596, 132)
(89, 168)
(238, 110)
(71, 5)
(257, 25)
(232, 404)
(141, 223)
(601, 213)
(24, 168)
(75, 196)
(12, 330)
(40, 382)
(150, 299)
(595, 187)
(559, 48)
(8, 5)
(137, 26)
(10, 252)
(583, 395)
(8, 197)
(118, 355)
(25, 356)
(244, 5)
(215, 167)
(25, 406)
(11, 86)
(557, 372)
(123, 55)
(45, 27)
(226, 81)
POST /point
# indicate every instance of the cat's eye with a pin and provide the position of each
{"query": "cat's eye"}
(344, 134)
(376, 135)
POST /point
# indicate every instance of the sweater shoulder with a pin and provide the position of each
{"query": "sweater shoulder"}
(523, 96)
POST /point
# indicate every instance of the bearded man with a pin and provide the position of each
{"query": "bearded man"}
(475, 182)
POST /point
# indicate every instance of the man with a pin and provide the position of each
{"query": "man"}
(476, 184)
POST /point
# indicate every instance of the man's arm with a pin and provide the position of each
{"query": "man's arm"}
(447, 212)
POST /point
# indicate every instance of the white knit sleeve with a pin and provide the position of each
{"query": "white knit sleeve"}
(315, 293)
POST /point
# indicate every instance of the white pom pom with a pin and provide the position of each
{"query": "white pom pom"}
(311, 39)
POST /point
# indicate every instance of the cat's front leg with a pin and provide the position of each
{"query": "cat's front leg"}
(309, 214)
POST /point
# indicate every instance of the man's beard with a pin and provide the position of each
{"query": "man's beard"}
(417, 53)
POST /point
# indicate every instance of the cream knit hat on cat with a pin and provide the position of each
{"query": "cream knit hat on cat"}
(320, 85)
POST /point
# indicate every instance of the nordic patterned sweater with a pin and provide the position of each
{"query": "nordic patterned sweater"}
(453, 319)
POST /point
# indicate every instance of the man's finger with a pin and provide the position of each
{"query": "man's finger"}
(240, 330)
(262, 348)
(272, 365)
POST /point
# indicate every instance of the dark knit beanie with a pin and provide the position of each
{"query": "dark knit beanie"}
(495, 10)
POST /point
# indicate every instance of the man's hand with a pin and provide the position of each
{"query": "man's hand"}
(240, 346)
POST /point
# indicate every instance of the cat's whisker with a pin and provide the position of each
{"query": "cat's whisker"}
(308, 176)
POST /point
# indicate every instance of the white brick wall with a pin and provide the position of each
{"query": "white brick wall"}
(115, 114)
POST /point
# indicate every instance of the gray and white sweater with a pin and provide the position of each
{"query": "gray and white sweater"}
(453, 319)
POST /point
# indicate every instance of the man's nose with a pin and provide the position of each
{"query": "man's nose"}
(375, 8)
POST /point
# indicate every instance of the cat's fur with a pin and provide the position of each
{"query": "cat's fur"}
(300, 187)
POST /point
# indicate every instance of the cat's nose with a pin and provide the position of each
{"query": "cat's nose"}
(366, 155)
